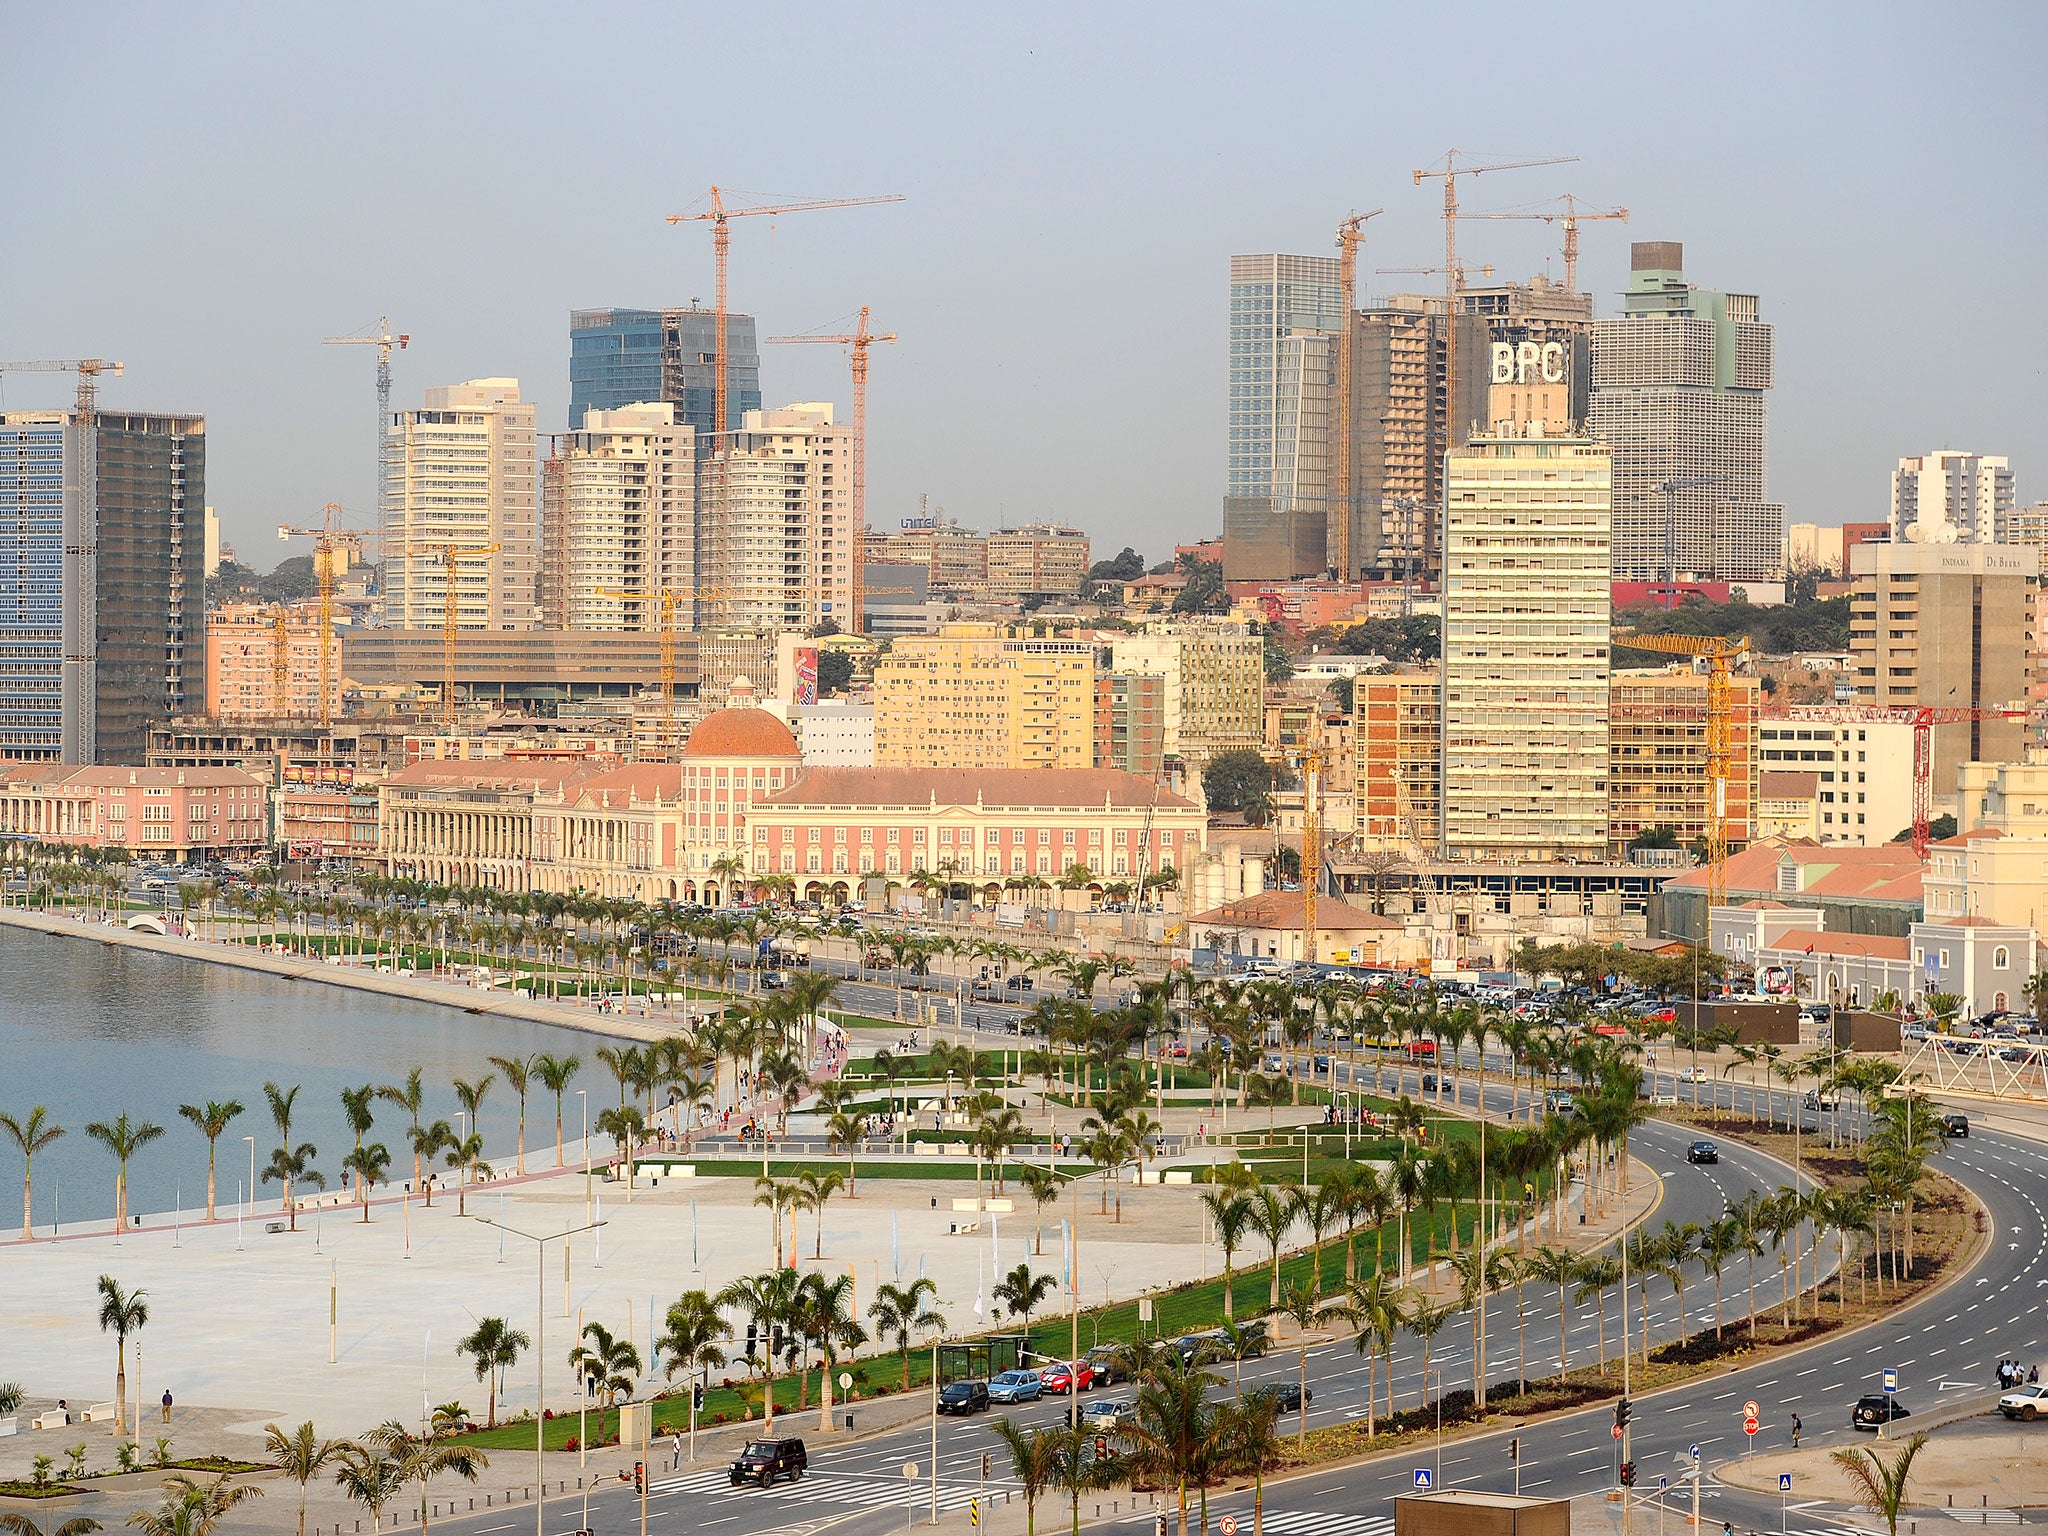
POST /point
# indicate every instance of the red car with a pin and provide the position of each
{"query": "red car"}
(1420, 1049)
(1056, 1378)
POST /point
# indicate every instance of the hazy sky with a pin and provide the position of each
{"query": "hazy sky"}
(205, 191)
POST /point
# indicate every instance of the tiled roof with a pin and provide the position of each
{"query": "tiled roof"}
(1845, 946)
(1787, 784)
(1282, 909)
(740, 732)
(993, 788)
(500, 774)
(641, 782)
(1887, 872)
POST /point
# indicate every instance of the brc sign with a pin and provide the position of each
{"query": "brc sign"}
(1520, 362)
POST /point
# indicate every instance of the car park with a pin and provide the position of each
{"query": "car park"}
(769, 1461)
(1703, 1152)
(1015, 1387)
(2027, 1402)
(1874, 1410)
(964, 1397)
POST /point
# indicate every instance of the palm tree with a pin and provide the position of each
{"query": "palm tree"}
(411, 1097)
(900, 1310)
(607, 1365)
(1021, 1291)
(1250, 1431)
(768, 1301)
(372, 1477)
(1596, 1274)
(493, 1348)
(31, 1134)
(518, 1072)
(1480, 1273)
(813, 1187)
(1558, 1267)
(212, 1119)
(1426, 1320)
(121, 1313)
(555, 1073)
(288, 1163)
(301, 1457)
(20, 1525)
(1173, 1440)
(1880, 1484)
(1034, 1457)
(193, 1508)
(371, 1166)
(1376, 1309)
(1043, 1186)
(123, 1141)
(1300, 1305)
(1271, 1214)
(420, 1461)
(467, 1154)
(695, 1331)
(428, 1142)
(1076, 1470)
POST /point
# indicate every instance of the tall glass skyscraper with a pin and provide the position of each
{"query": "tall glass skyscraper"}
(622, 357)
(1284, 315)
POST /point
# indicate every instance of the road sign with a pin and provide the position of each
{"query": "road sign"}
(1228, 1525)
(1750, 1426)
(910, 1470)
(1422, 1477)
(1693, 1450)
(1784, 1482)
(1891, 1381)
(1617, 1431)
(1750, 1409)
(974, 1512)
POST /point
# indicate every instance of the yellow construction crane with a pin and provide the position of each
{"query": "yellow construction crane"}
(1718, 653)
(1571, 216)
(669, 599)
(449, 554)
(281, 659)
(88, 370)
(1350, 236)
(328, 538)
(1310, 760)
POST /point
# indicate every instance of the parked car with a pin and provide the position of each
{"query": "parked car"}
(1108, 1363)
(768, 1461)
(1875, 1409)
(963, 1397)
(1957, 1126)
(1059, 1378)
(2028, 1402)
(1703, 1152)
(1015, 1387)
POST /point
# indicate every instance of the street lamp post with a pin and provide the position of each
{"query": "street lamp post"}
(583, 1097)
(540, 1243)
(251, 1202)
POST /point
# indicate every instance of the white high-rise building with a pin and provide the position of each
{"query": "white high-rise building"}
(1525, 667)
(775, 536)
(462, 476)
(1951, 498)
(627, 519)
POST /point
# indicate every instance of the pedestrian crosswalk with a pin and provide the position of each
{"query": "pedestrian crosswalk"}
(1304, 1522)
(833, 1488)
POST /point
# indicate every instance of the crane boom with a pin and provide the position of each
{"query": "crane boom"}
(1350, 236)
(383, 341)
(88, 370)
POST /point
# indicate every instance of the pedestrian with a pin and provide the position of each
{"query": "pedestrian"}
(1795, 1431)
(167, 1405)
(2033, 1375)
(676, 1444)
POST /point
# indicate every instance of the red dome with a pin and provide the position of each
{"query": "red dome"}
(740, 733)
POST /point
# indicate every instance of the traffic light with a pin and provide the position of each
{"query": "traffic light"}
(1623, 1409)
(1514, 1447)
(1102, 1447)
(639, 1477)
(1628, 1474)
(753, 1338)
(984, 1466)
(697, 1396)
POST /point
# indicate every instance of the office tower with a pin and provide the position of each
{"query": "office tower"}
(463, 478)
(1951, 498)
(1130, 722)
(1658, 768)
(1038, 559)
(1524, 666)
(102, 555)
(2026, 525)
(1524, 356)
(1215, 684)
(619, 515)
(775, 540)
(956, 557)
(1681, 382)
(1951, 626)
(1397, 759)
(621, 357)
(977, 696)
(1862, 790)
(1284, 315)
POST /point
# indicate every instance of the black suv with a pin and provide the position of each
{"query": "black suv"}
(763, 1461)
(1955, 1125)
(1109, 1363)
(963, 1397)
(1875, 1409)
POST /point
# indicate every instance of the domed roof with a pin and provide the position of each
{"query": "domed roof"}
(740, 733)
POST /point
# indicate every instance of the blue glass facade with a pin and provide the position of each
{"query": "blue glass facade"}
(621, 357)
(1271, 298)
(31, 591)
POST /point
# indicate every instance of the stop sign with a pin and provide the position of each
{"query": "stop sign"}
(1749, 1426)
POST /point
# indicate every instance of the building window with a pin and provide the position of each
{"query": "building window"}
(1067, 837)
(2001, 959)
(867, 834)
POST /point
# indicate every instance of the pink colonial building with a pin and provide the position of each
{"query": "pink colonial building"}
(169, 813)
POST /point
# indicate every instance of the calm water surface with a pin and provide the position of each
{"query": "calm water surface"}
(91, 1030)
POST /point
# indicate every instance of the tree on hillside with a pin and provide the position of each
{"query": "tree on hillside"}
(1205, 592)
(1240, 780)
(835, 672)
(1940, 827)
(1412, 639)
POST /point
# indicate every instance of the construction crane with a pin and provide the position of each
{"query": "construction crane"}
(669, 599)
(327, 538)
(860, 341)
(1571, 217)
(1350, 236)
(720, 219)
(1669, 489)
(1311, 848)
(448, 555)
(88, 370)
(280, 659)
(383, 341)
(1923, 718)
(1718, 653)
(1448, 171)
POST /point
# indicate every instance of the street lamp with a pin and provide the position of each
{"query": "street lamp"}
(583, 1095)
(540, 1354)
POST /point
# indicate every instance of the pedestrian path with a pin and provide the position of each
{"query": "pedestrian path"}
(835, 1488)
(1303, 1522)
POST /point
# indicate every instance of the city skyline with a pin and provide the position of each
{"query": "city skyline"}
(1011, 271)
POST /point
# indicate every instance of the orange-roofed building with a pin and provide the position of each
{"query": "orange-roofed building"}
(1859, 890)
(167, 813)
